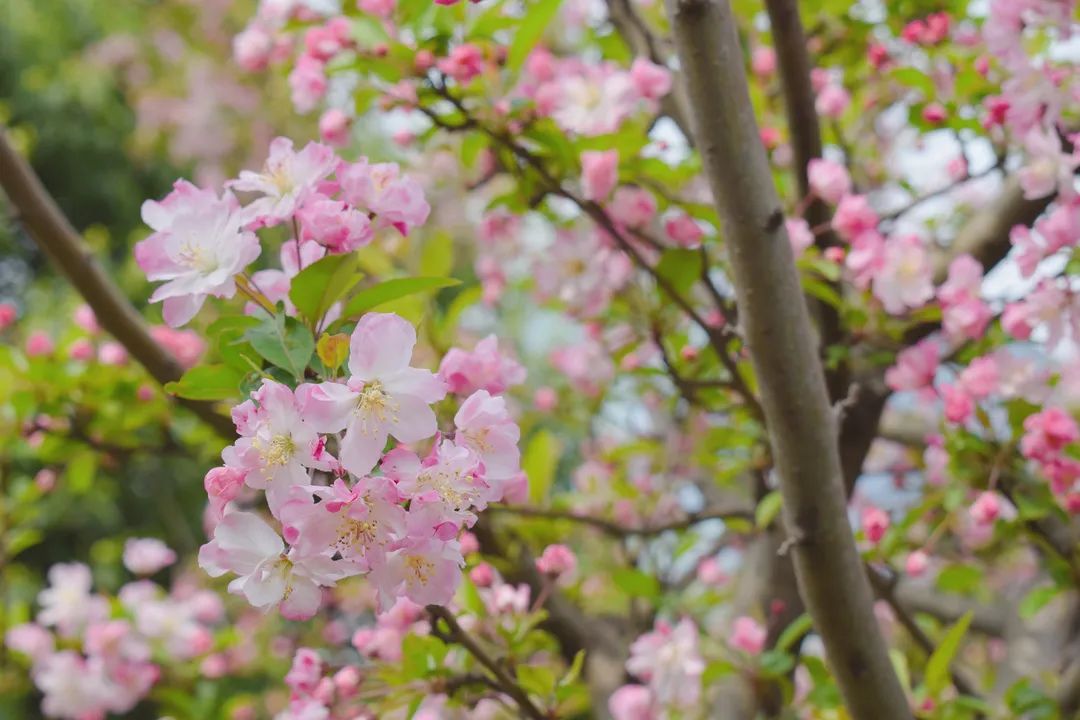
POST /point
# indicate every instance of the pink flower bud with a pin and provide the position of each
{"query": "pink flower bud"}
(557, 560)
(748, 635)
(875, 522)
(334, 127)
(39, 344)
(916, 563)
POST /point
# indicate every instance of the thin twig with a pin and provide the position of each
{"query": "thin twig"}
(617, 530)
(506, 683)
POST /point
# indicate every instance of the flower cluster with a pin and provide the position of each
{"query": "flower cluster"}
(668, 661)
(203, 242)
(314, 452)
(89, 658)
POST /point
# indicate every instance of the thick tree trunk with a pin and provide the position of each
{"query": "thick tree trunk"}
(801, 421)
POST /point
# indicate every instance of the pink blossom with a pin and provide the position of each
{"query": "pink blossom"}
(832, 101)
(308, 83)
(482, 368)
(711, 573)
(557, 560)
(31, 640)
(545, 398)
(980, 378)
(84, 317)
(1046, 434)
(379, 8)
(464, 62)
(325, 41)
(668, 660)
(184, 345)
(799, 235)
(875, 522)
(306, 671)
(936, 462)
(67, 603)
(223, 484)
(145, 556)
(763, 61)
(828, 179)
(334, 127)
(45, 479)
(39, 344)
(8, 315)
(384, 396)
(916, 563)
(396, 199)
(112, 353)
(484, 426)
(934, 113)
(198, 246)
(72, 687)
(684, 230)
(82, 350)
(632, 702)
(651, 81)
(448, 484)
(633, 206)
(959, 405)
(252, 48)
(915, 367)
(334, 225)
(277, 443)
(748, 635)
(853, 217)
(482, 575)
(599, 173)
(906, 278)
(287, 180)
(986, 508)
(426, 570)
(268, 575)
(1049, 169)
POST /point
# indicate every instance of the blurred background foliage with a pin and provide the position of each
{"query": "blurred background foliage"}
(111, 101)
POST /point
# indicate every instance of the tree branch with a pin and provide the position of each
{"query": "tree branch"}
(885, 584)
(801, 426)
(50, 229)
(506, 683)
(617, 530)
(793, 62)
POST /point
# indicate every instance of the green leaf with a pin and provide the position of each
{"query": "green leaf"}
(776, 663)
(284, 342)
(680, 267)
(539, 462)
(536, 20)
(394, 289)
(798, 627)
(575, 669)
(20, 539)
(438, 255)
(207, 382)
(421, 655)
(1036, 600)
(959, 578)
(937, 668)
(321, 284)
(536, 679)
(914, 78)
(636, 583)
(767, 509)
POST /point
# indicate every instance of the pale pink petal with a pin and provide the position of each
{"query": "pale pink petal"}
(413, 421)
(381, 344)
(362, 448)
